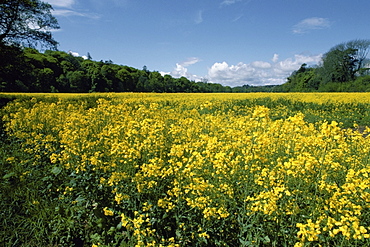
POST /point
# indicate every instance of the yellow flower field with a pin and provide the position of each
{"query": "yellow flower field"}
(198, 169)
(306, 97)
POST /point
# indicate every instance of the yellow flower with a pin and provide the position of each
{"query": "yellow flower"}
(203, 235)
(108, 211)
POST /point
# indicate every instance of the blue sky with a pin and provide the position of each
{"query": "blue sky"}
(232, 42)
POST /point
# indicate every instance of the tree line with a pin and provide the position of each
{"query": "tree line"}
(344, 68)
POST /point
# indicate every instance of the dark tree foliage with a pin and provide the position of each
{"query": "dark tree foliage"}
(361, 47)
(338, 66)
(27, 23)
(301, 80)
(13, 68)
(344, 62)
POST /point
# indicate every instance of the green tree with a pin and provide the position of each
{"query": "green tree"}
(126, 80)
(13, 69)
(92, 70)
(89, 56)
(27, 22)
(183, 84)
(301, 80)
(344, 61)
(362, 49)
(338, 66)
(78, 81)
(44, 80)
(141, 81)
(155, 83)
(109, 71)
(168, 83)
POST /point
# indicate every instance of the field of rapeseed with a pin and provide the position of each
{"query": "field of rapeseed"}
(185, 170)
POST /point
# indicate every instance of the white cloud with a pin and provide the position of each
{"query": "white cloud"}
(32, 23)
(199, 17)
(182, 70)
(231, 74)
(65, 8)
(258, 72)
(291, 64)
(237, 18)
(229, 2)
(190, 61)
(73, 53)
(76, 54)
(261, 65)
(254, 73)
(275, 58)
(312, 23)
(67, 12)
(61, 3)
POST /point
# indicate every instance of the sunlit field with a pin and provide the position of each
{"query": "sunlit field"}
(136, 169)
(305, 97)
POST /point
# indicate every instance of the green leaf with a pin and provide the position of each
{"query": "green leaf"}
(9, 175)
(245, 242)
(56, 170)
(119, 226)
(266, 239)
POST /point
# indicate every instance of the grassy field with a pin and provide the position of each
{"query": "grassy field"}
(140, 169)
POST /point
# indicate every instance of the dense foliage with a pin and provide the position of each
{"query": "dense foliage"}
(27, 22)
(344, 68)
(185, 170)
